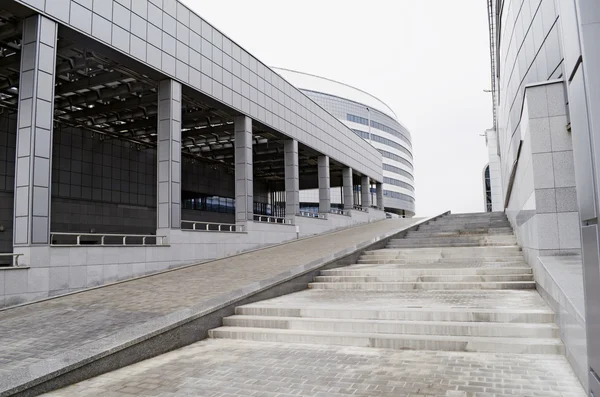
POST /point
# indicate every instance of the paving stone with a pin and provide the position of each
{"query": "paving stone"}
(42, 330)
(218, 367)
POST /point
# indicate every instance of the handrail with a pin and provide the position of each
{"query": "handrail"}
(103, 237)
(272, 219)
(308, 214)
(15, 258)
(210, 227)
(339, 212)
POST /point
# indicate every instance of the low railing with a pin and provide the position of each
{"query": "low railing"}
(14, 258)
(213, 227)
(339, 211)
(108, 239)
(308, 214)
(360, 208)
(272, 219)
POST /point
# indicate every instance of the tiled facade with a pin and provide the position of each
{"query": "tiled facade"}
(167, 36)
(547, 107)
(99, 140)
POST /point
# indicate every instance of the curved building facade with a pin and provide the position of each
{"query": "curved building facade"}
(374, 121)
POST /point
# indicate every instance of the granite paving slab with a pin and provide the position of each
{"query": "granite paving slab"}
(228, 368)
(41, 337)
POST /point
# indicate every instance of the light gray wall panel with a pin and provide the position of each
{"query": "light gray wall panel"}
(305, 121)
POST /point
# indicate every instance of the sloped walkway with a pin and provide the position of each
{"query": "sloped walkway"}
(35, 336)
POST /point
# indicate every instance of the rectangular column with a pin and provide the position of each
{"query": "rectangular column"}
(379, 190)
(348, 185)
(324, 184)
(365, 191)
(169, 155)
(33, 172)
(292, 178)
(244, 184)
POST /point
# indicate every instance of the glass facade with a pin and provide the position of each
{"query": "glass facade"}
(372, 120)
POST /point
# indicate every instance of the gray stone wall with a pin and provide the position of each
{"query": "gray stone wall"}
(8, 128)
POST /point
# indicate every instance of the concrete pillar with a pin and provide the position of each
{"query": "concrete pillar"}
(244, 183)
(169, 155)
(347, 189)
(365, 191)
(33, 173)
(379, 190)
(292, 178)
(324, 184)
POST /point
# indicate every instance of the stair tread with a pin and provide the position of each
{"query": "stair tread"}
(450, 338)
(383, 321)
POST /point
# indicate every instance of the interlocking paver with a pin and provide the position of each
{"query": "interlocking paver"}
(245, 368)
(42, 330)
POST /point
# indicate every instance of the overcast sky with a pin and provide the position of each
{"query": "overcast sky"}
(427, 59)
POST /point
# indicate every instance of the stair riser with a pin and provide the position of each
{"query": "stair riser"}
(425, 272)
(426, 279)
(385, 287)
(497, 330)
(458, 229)
(458, 237)
(425, 244)
(467, 251)
(404, 315)
(359, 341)
(430, 261)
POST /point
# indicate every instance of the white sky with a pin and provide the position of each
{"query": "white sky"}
(427, 59)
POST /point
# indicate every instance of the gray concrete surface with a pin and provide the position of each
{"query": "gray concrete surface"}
(36, 335)
(227, 368)
(327, 342)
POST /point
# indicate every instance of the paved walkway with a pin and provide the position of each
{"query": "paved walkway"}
(46, 329)
(230, 368)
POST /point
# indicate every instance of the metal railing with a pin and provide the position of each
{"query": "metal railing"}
(14, 258)
(339, 212)
(360, 208)
(84, 239)
(308, 214)
(213, 227)
(272, 219)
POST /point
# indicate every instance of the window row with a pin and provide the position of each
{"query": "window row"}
(385, 141)
(400, 196)
(195, 201)
(361, 120)
(396, 182)
(399, 171)
(395, 157)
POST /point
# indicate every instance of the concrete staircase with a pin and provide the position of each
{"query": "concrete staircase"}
(456, 284)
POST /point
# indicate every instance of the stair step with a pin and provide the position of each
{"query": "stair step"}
(394, 341)
(512, 330)
(426, 285)
(425, 244)
(425, 278)
(475, 314)
(413, 272)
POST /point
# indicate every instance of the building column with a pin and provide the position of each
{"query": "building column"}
(347, 188)
(169, 155)
(33, 169)
(379, 189)
(324, 184)
(292, 178)
(365, 191)
(244, 183)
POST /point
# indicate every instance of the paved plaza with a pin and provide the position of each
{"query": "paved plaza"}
(227, 368)
(41, 331)
(469, 324)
